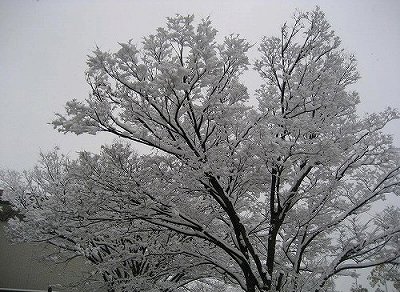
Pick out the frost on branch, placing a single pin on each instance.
(267, 198)
(177, 92)
(92, 207)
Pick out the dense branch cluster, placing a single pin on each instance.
(274, 197)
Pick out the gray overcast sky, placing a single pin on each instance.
(44, 44)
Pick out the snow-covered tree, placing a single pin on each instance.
(383, 274)
(270, 197)
(79, 206)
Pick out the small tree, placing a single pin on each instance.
(269, 198)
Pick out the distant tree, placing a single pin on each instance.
(382, 274)
(6, 210)
(358, 288)
(270, 197)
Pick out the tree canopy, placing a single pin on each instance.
(277, 196)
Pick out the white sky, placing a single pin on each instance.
(44, 45)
